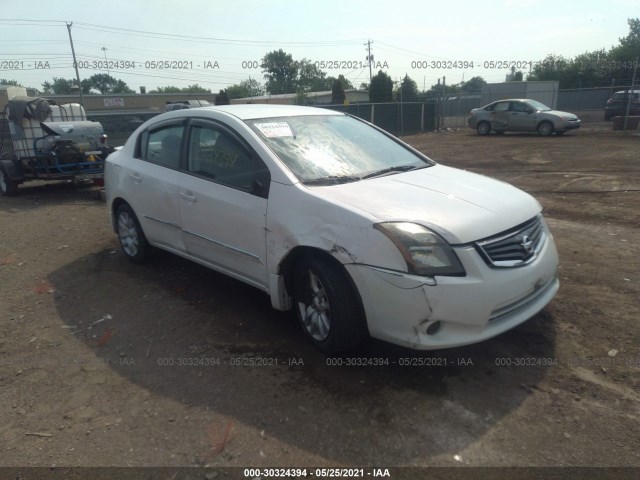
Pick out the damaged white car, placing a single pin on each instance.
(357, 232)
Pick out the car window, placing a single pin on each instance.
(162, 146)
(215, 154)
(501, 107)
(519, 107)
(319, 147)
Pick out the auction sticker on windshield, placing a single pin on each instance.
(275, 129)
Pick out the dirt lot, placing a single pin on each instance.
(104, 363)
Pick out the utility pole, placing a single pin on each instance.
(438, 106)
(106, 62)
(75, 63)
(633, 80)
(369, 59)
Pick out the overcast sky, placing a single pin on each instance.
(228, 38)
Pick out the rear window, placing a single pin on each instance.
(623, 96)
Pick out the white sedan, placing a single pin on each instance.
(356, 231)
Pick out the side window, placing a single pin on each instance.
(215, 154)
(162, 146)
(519, 107)
(501, 107)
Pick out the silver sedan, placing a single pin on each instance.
(521, 115)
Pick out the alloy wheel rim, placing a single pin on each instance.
(128, 234)
(316, 316)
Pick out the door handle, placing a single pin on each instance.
(188, 196)
(135, 177)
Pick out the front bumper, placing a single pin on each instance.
(400, 307)
(568, 125)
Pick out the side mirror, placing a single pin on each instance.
(258, 189)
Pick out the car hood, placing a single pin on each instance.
(459, 205)
(558, 113)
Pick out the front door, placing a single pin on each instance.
(223, 203)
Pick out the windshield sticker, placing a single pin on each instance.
(275, 129)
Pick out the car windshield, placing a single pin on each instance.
(329, 149)
(537, 105)
(624, 96)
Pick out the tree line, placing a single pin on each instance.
(283, 74)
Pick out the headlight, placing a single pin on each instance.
(425, 252)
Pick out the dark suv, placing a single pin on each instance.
(617, 104)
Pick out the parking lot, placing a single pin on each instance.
(106, 363)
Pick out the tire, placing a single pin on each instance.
(327, 305)
(8, 186)
(132, 240)
(484, 128)
(545, 128)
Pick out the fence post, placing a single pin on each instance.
(422, 119)
(373, 108)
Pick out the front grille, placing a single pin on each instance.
(515, 247)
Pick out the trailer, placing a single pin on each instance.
(44, 141)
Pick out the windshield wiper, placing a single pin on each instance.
(401, 168)
(332, 180)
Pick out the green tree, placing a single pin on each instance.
(104, 83)
(381, 88)
(173, 89)
(222, 98)
(338, 96)
(624, 55)
(408, 91)
(280, 72)
(310, 77)
(60, 86)
(168, 89)
(246, 88)
(195, 88)
(346, 84)
(474, 84)
(14, 83)
(553, 67)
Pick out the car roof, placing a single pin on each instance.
(254, 110)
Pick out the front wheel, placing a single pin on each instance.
(484, 128)
(545, 129)
(132, 240)
(8, 186)
(327, 305)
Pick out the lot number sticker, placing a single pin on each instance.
(275, 129)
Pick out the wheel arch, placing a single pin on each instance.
(115, 205)
(288, 263)
(287, 266)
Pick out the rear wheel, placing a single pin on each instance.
(132, 240)
(484, 128)
(327, 305)
(8, 186)
(545, 128)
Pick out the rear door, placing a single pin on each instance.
(223, 202)
(151, 181)
(500, 116)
